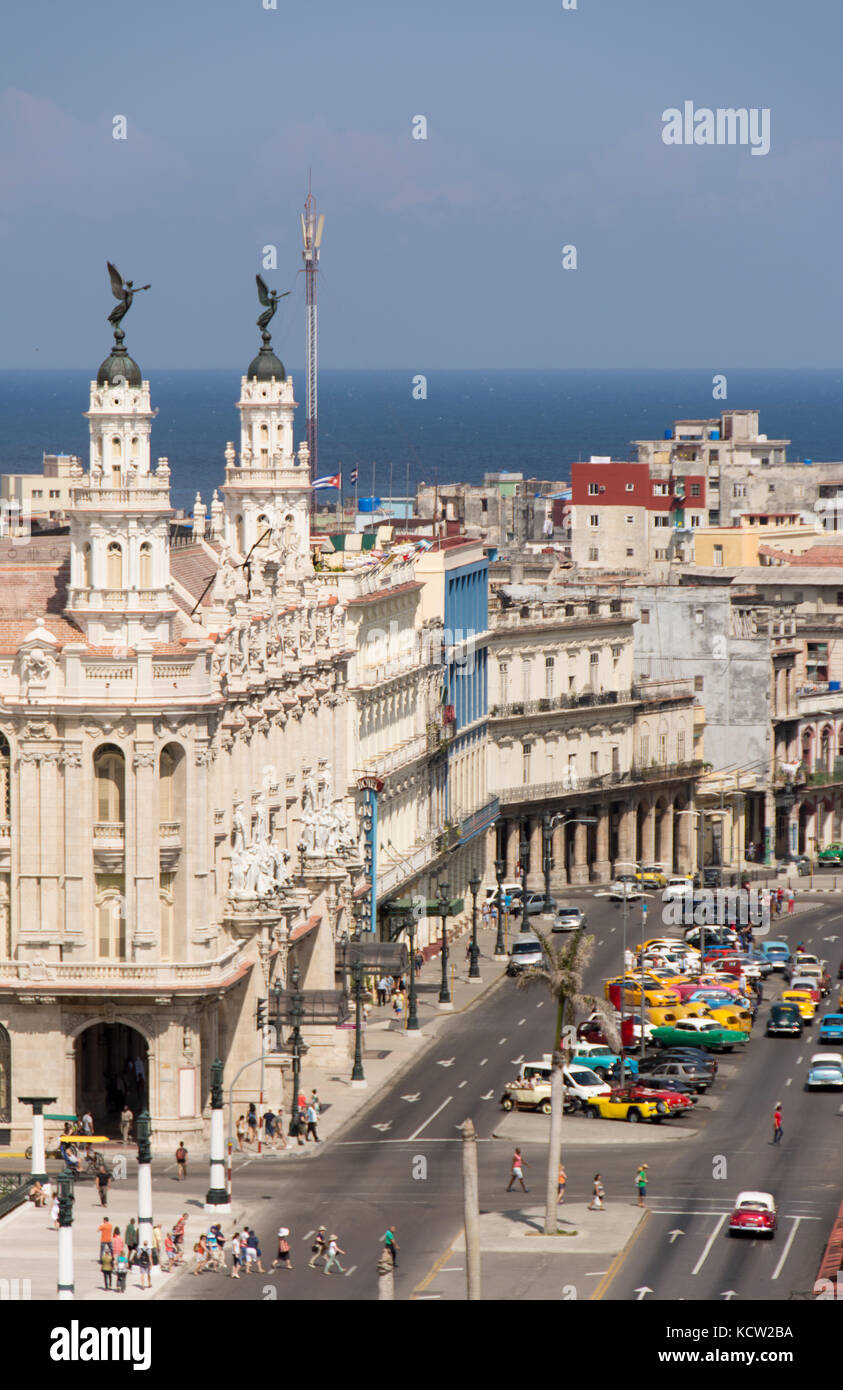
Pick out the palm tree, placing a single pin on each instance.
(561, 972)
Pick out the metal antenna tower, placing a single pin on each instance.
(311, 231)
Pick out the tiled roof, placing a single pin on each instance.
(816, 555)
(27, 591)
(192, 568)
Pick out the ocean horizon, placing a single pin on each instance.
(531, 421)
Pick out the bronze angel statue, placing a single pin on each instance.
(124, 292)
(270, 298)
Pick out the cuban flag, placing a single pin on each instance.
(354, 473)
(335, 480)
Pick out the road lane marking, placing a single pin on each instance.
(423, 1297)
(521, 1021)
(796, 1220)
(412, 1099)
(595, 1273)
(712, 1238)
(483, 1063)
(452, 1269)
(309, 1234)
(619, 1259)
(418, 1291)
(798, 1060)
(384, 1126)
(540, 1004)
(462, 1083)
(501, 1042)
(448, 1063)
(347, 1272)
(789, 1080)
(488, 1096)
(431, 1117)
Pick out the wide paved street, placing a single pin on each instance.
(400, 1162)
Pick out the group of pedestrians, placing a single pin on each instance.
(303, 1127)
(598, 1192)
(120, 1252)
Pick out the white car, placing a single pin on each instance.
(754, 1214)
(825, 1071)
(676, 889)
(625, 886)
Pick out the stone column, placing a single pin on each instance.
(667, 838)
(49, 853)
(28, 845)
(511, 855)
(76, 822)
(648, 848)
(579, 868)
(142, 892)
(559, 875)
(536, 840)
(196, 843)
(602, 867)
(626, 837)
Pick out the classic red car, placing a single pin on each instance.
(674, 1100)
(754, 1214)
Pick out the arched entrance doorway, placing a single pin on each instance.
(111, 1069)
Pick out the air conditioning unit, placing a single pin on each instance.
(602, 487)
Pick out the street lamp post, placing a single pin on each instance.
(297, 1014)
(358, 1076)
(548, 860)
(474, 968)
(444, 905)
(144, 1132)
(523, 851)
(217, 1198)
(413, 1013)
(64, 1184)
(500, 945)
(38, 1170)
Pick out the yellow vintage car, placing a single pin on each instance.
(622, 1104)
(665, 1018)
(804, 1003)
(651, 876)
(656, 993)
(730, 1016)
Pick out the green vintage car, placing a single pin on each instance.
(699, 1032)
(831, 854)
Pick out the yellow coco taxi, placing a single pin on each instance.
(803, 1002)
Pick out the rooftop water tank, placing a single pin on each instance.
(668, 434)
(808, 463)
(714, 434)
(368, 504)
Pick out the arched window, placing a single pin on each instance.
(85, 574)
(134, 453)
(145, 566)
(110, 781)
(114, 566)
(116, 450)
(5, 1076)
(238, 535)
(262, 533)
(111, 917)
(167, 768)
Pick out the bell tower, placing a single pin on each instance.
(120, 591)
(267, 487)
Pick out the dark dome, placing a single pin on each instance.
(266, 366)
(119, 364)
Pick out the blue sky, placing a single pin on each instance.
(544, 130)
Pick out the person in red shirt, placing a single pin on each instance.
(778, 1132)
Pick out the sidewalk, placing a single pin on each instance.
(29, 1243)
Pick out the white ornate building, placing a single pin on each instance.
(174, 830)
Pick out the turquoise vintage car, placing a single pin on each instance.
(699, 1032)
